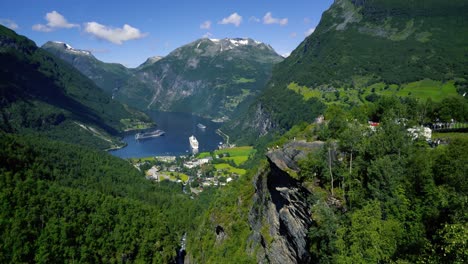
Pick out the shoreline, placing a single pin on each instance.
(116, 147)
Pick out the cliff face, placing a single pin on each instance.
(280, 216)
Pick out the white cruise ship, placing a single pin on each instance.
(193, 142)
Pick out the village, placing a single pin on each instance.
(197, 172)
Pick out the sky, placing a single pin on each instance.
(129, 32)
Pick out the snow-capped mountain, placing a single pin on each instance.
(109, 76)
(210, 77)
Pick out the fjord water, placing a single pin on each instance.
(178, 127)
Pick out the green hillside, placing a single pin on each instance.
(372, 196)
(40, 93)
(108, 76)
(364, 49)
(64, 203)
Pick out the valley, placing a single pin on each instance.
(351, 147)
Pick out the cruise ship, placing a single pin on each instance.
(193, 142)
(150, 134)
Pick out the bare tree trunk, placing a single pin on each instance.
(349, 176)
(329, 166)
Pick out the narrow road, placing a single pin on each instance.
(222, 134)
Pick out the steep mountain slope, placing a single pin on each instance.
(40, 93)
(358, 44)
(210, 77)
(109, 76)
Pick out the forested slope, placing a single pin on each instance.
(361, 50)
(42, 94)
(61, 203)
(371, 196)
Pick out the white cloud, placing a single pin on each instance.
(309, 31)
(306, 20)
(269, 19)
(205, 25)
(114, 35)
(293, 35)
(254, 19)
(54, 21)
(207, 35)
(9, 23)
(285, 55)
(234, 19)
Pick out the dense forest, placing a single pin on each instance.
(376, 196)
(401, 198)
(61, 202)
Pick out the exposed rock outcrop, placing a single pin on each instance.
(280, 217)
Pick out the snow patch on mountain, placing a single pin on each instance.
(71, 49)
(238, 42)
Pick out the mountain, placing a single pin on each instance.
(339, 190)
(209, 77)
(150, 61)
(109, 76)
(42, 94)
(362, 49)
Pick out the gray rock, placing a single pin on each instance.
(280, 207)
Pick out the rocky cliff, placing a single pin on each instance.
(280, 216)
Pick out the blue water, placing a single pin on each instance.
(178, 127)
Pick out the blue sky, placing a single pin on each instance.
(129, 32)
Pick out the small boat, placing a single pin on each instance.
(150, 134)
(201, 126)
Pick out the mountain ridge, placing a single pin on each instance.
(342, 60)
(108, 76)
(42, 94)
(207, 77)
(227, 72)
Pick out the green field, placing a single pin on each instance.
(306, 92)
(238, 154)
(236, 151)
(175, 175)
(136, 160)
(424, 89)
(450, 135)
(202, 155)
(237, 160)
(229, 168)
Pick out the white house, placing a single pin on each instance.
(421, 131)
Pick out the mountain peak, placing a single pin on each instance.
(150, 61)
(65, 47)
(226, 44)
(237, 41)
